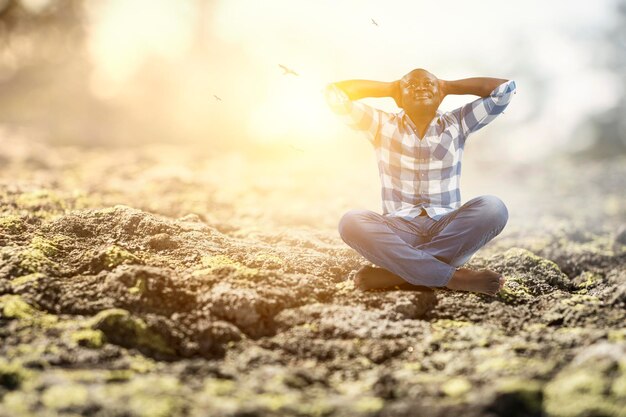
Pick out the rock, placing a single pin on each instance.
(121, 328)
(527, 275)
(593, 384)
(213, 336)
(252, 310)
(346, 322)
(517, 398)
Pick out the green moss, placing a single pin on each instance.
(157, 406)
(11, 223)
(514, 291)
(317, 407)
(501, 363)
(578, 392)
(456, 387)
(90, 338)
(141, 364)
(516, 253)
(618, 388)
(14, 307)
(115, 255)
(33, 259)
(64, 396)
(367, 404)
(581, 300)
(595, 385)
(219, 387)
(450, 324)
(147, 396)
(535, 327)
(274, 401)
(311, 327)
(210, 263)
(527, 275)
(587, 280)
(43, 201)
(617, 335)
(139, 287)
(49, 247)
(412, 366)
(19, 403)
(120, 327)
(27, 279)
(119, 375)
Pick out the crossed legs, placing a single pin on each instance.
(427, 255)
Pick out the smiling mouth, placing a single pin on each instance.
(422, 96)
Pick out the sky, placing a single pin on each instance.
(549, 47)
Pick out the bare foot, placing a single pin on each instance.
(372, 278)
(484, 281)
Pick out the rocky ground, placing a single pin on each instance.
(156, 282)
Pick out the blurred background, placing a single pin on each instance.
(191, 91)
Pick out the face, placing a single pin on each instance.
(419, 90)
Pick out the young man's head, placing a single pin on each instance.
(418, 91)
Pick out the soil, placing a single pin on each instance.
(137, 282)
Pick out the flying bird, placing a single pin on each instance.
(374, 22)
(287, 71)
(297, 149)
(217, 98)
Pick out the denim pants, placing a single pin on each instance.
(424, 251)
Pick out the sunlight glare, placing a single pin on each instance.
(126, 32)
(295, 112)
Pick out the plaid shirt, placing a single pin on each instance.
(420, 174)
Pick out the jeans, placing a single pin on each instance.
(424, 251)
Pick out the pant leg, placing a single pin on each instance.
(369, 234)
(459, 235)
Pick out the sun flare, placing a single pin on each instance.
(294, 112)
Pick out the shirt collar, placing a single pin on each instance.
(407, 119)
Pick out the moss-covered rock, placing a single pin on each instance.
(456, 387)
(121, 328)
(29, 280)
(585, 386)
(212, 263)
(65, 397)
(527, 275)
(14, 307)
(88, 338)
(11, 223)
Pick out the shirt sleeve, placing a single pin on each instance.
(480, 112)
(359, 116)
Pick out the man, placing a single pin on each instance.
(424, 234)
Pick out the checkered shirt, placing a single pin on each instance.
(420, 174)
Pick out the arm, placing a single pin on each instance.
(478, 86)
(357, 89)
(482, 111)
(341, 97)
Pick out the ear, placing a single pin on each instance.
(397, 93)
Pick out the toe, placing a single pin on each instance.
(502, 282)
